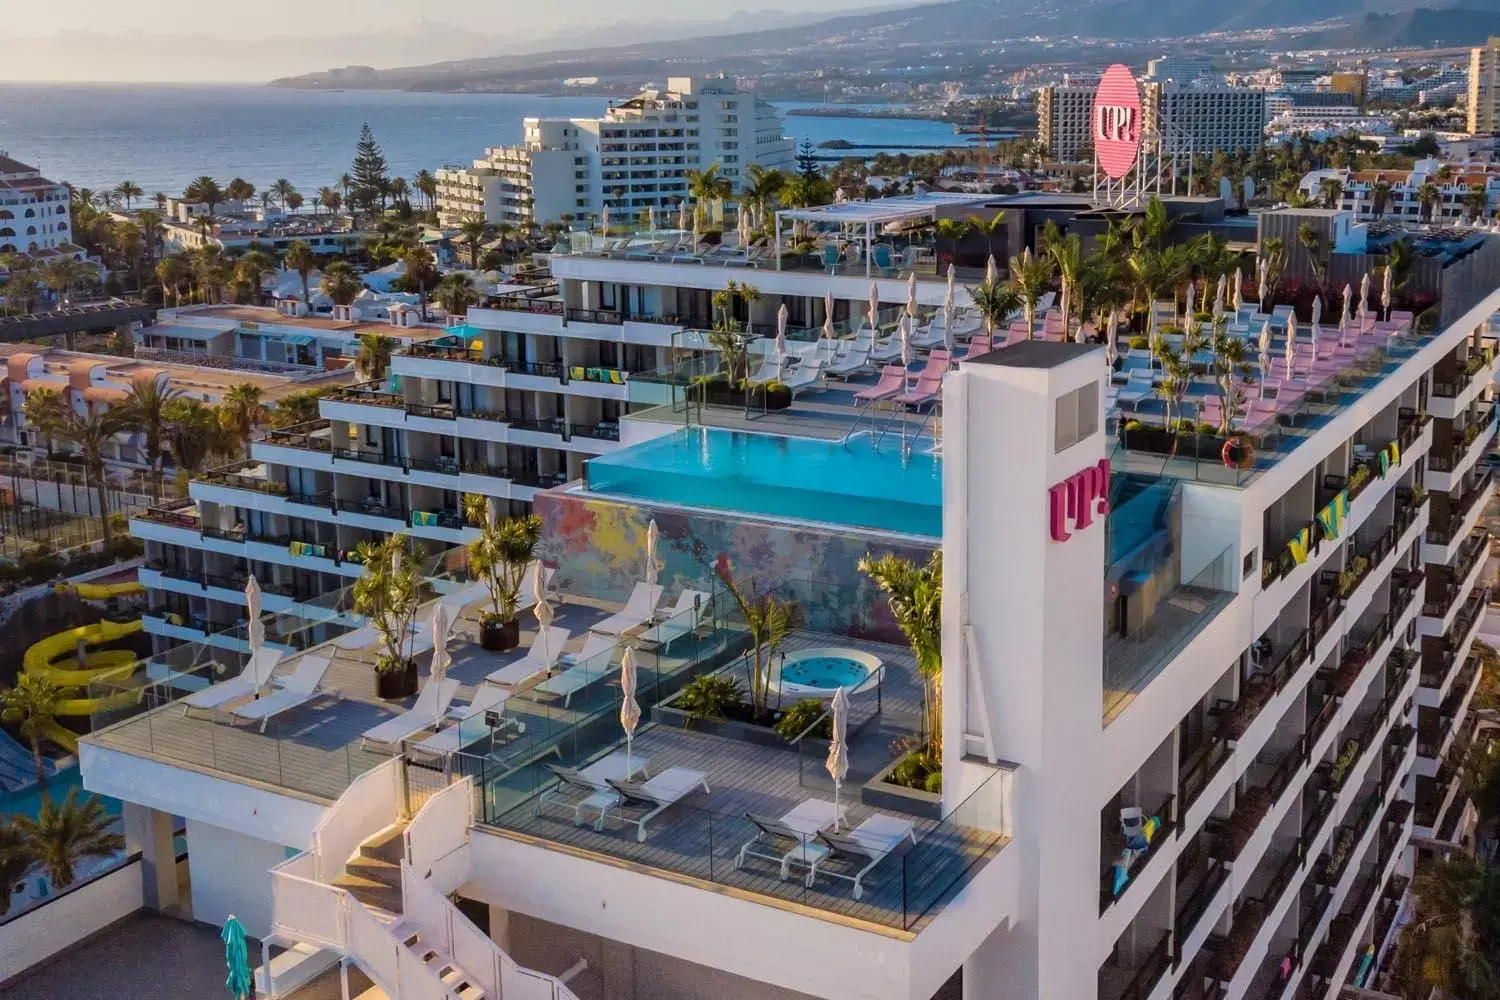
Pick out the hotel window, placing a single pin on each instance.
(1077, 417)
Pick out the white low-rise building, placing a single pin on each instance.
(35, 213)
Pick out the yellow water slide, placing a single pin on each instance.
(102, 591)
(104, 665)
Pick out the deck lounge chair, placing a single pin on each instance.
(593, 645)
(856, 360)
(298, 689)
(926, 390)
(451, 739)
(539, 659)
(566, 683)
(639, 609)
(774, 841)
(871, 842)
(888, 349)
(654, 795)
(938, 363)
(425, 713)
(1139, 386)
(881, 257)
(978, 347)
(892, 382)
(806, 375)
(255, 675)
(769, 370)
(831, 257)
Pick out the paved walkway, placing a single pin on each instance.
(143, 957)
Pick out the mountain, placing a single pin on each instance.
(954, 33)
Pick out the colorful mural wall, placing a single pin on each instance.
(596, 545)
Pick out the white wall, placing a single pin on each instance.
(229, 873)
(70, 917)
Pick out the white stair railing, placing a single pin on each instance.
(371, 803)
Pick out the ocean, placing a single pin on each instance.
(162, 136)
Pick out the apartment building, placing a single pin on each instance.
(1212, 116)
(1456, 180)
(1183, 69)
(1203, 782)
(35, 213)
(1064, 114)
(1484, 88)
(634, 158)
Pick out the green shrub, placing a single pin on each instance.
(802, 715)
(1138, 343)
(710, 696)
(934, 783)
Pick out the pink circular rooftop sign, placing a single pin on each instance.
(1117, 121)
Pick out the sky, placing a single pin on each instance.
(215, 40)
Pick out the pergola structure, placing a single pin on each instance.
(879, 213)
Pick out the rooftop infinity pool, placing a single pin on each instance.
(852, 484)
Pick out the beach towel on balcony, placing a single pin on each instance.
(1298, 547)
(1385, 462)
(424, 519)
(1332, 516)
(1395, 449)
(576, 373)
(616, 377)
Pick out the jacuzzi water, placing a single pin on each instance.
(828, 672)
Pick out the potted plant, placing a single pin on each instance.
(769, 621)
(499, 557)
(387, 596)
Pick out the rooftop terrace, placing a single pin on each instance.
(570, 716)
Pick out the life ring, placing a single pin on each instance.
(1238, 453)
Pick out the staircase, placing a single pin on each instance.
(373, 876)
(358, 892)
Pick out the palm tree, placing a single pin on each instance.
(61, 835)
(1332, 191)
(241, 411)
(251, 269)
(426, 185)
(1312, 246)
(1429, 196)
(128, 192)
(421, 275)
(16, 859)
(1030, 276)
(1380, 197)
(90, 432)
(915, 596)
(282, 189)
(299, 257)
(768, 621)
(62, 273)
(995, 302)
(455, 294)
(31, 706)
(399, 190)
(210, 270)
(205, 190)
(40, 408)
(340, 283)
(1176, 377)
(1229, 372)
(294, 201)
(758, 193)
(147, 403)
(1476, 201)
(171, 273)
(345, 182)
(988, 228)
(1437, 954)
(239, 190)
(1066, 253)
(374, 356)
(474, 229)
(330, 199)
(194, 433)
(703, 187)
(296, 408)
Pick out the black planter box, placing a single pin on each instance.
(393, 685)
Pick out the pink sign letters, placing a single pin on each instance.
(1073, 501)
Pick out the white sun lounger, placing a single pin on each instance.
(569, 682)
(872, 841)
(592, 647)
(638, 610)
(654, 795)
(539, 659)
(856, 361)
(425, 713)
(679, 620)
(488, 698)
(804, 376)
(255, 675)
(297, 689)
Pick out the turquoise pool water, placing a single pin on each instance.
(829, 672)
(29, 800)
(853, 484)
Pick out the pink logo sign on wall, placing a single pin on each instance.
(1076, 500)
(1117, 121)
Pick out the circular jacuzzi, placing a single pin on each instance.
(818, 673)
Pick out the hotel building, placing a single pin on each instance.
(1202, 782)
(1403, 201)
(1063, 114)
(1484, 88)
(35, 213)
(1214, 116)
(635, 157)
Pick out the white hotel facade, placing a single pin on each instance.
(1283, 716)
(633, 158)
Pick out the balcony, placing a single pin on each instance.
(1447, 467)
(1121, 863)
(1444, 530)
(1124, 978)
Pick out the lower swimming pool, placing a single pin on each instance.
(855, 484)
